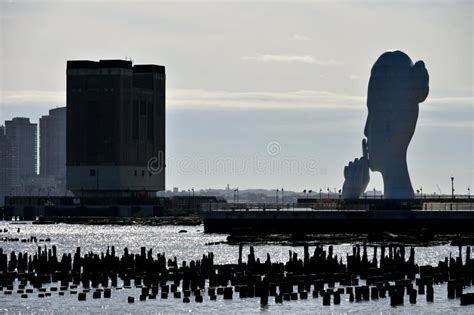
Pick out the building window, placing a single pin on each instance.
(92, 172)
(143, 173)
(135, 172)
(149, 173)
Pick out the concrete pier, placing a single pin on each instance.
(337, 221)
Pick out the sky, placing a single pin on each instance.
(259, 94)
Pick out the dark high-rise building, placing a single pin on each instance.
(115, 127)
(8, 178)
(52, 146)
(23, 137)
(18, 157)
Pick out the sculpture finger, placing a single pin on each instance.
(350, 169)
(356, 167)
(364, 148)
(359, 172)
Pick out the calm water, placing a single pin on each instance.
(192, 245)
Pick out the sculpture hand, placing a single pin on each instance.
(356, 175)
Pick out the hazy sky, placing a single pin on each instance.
(259, 94)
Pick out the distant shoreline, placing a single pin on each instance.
(154, 221)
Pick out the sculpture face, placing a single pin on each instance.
(396, 87)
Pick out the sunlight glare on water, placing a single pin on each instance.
(188, 245)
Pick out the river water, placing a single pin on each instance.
(188, 245)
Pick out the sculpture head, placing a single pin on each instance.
(396, 87)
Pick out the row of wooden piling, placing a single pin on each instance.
(393, 274)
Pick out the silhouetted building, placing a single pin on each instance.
(52, 147)
(23, 137)
(9, 179)
(53, 143)
(115, 127)
(18, 157)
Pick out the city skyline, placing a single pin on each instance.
(236, 90)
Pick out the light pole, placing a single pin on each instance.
(468, 192)
(452, 187)
(328, 192)
(374, 192)
(277, 197)
(320, 193)
(282, 196)
(421, 191)
(189, 199)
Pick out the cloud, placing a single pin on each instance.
(300, 37)
(291, 100)
(447, 124)
(354, 77)
(294, 100)
(290, 58)
(445, 101)
(198, 99)
(32, 96)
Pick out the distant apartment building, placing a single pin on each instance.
(18, 157)
(9, 179)
(52, 153)
(115, 128)
(52, 129)
(23, 137)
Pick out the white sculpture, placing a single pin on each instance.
(396, 87)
